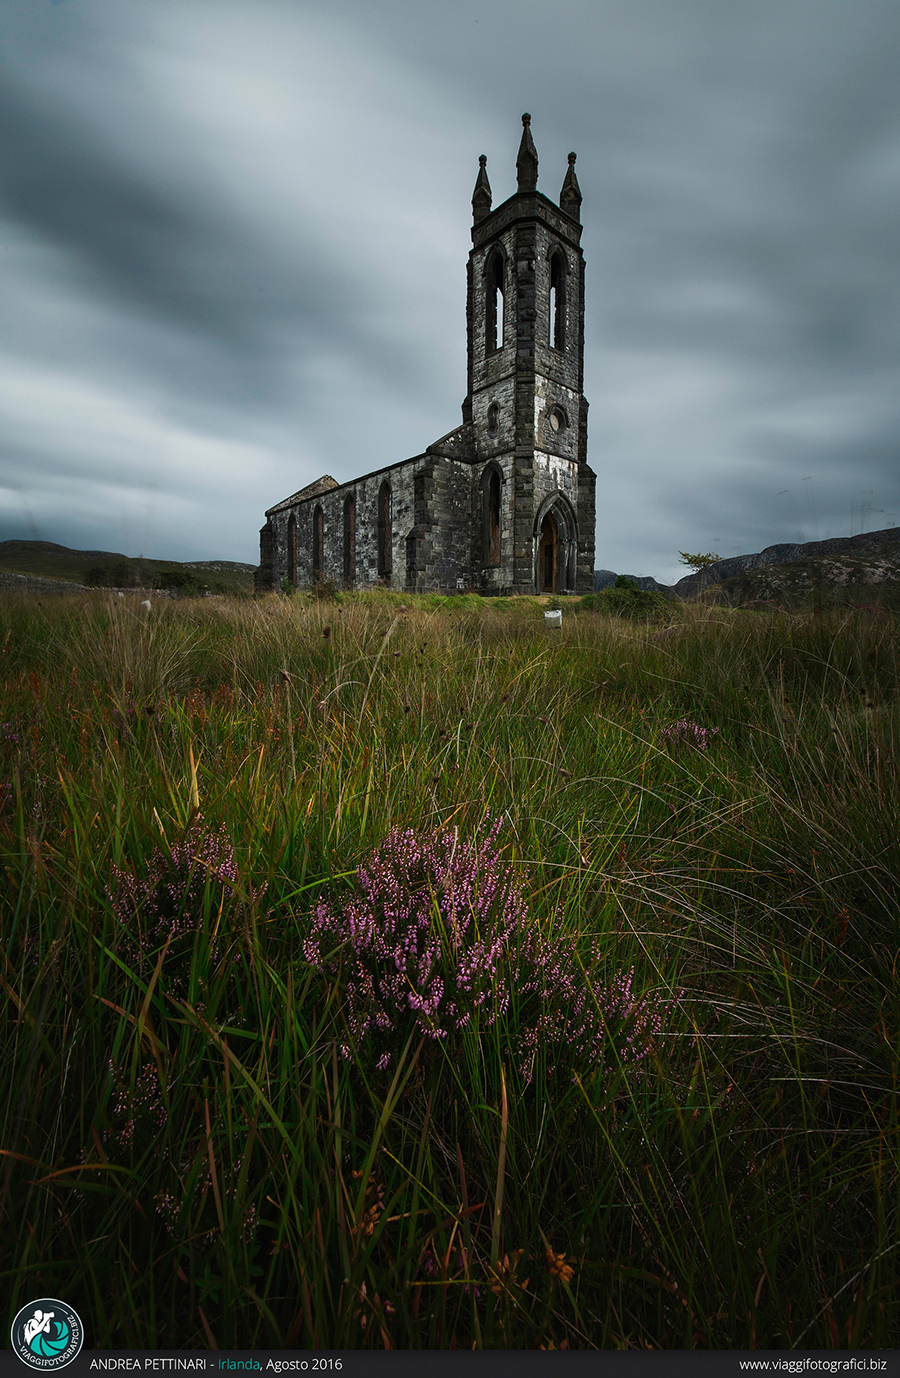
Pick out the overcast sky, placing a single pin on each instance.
(233, 237)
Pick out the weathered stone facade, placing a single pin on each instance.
(504, 503)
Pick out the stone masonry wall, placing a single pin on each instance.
(436, 528)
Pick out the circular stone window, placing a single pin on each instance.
(558, 419)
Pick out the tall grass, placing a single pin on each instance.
(187, 1157)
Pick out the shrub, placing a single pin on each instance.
(169, 901)
(181, 581)
(438, 933)
(686, 733)
(119, 575)
(625, 599)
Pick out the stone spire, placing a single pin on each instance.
(527, 161)
(481, 196)
(570, 196)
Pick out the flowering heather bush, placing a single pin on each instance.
(686, 733)
(138, 1108)
(575, 1018)
(137, 1118)
(168, 901)
(439, 931)
(425, 936)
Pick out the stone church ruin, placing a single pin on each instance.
(505, 503)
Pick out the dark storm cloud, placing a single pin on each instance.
(149, 247)
(157, 235)
(130, 238)
(234, 239)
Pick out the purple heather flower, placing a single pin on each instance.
(168, 901)
(688, 733)
(438, 930)
(141, 1104)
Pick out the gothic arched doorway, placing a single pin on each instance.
(555, 545)
(548, 555)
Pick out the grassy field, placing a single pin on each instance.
(600, 1050)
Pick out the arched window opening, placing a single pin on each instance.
(292, 549)
(318, 544)
(494, 304)
(414, 557)
(349, 540)
(556, 332)
(493, 418)
(384, 531)
(493, 518)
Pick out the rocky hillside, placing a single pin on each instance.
(786, 572)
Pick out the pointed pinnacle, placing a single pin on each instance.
(570, 196)
(527, 161)
(481, 196)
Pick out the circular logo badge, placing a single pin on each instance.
(47, 1334)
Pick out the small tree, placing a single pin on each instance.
(119, 575)
(181, 581)
(699, 562)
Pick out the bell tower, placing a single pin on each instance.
(525, 402)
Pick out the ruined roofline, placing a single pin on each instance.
(430, 453)
(312, 490)
(299, 498)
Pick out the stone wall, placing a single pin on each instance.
(32, 583)
(437, 528)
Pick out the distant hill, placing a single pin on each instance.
(606, 578)
(781, 573)
(45, 560)
(786, 573)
